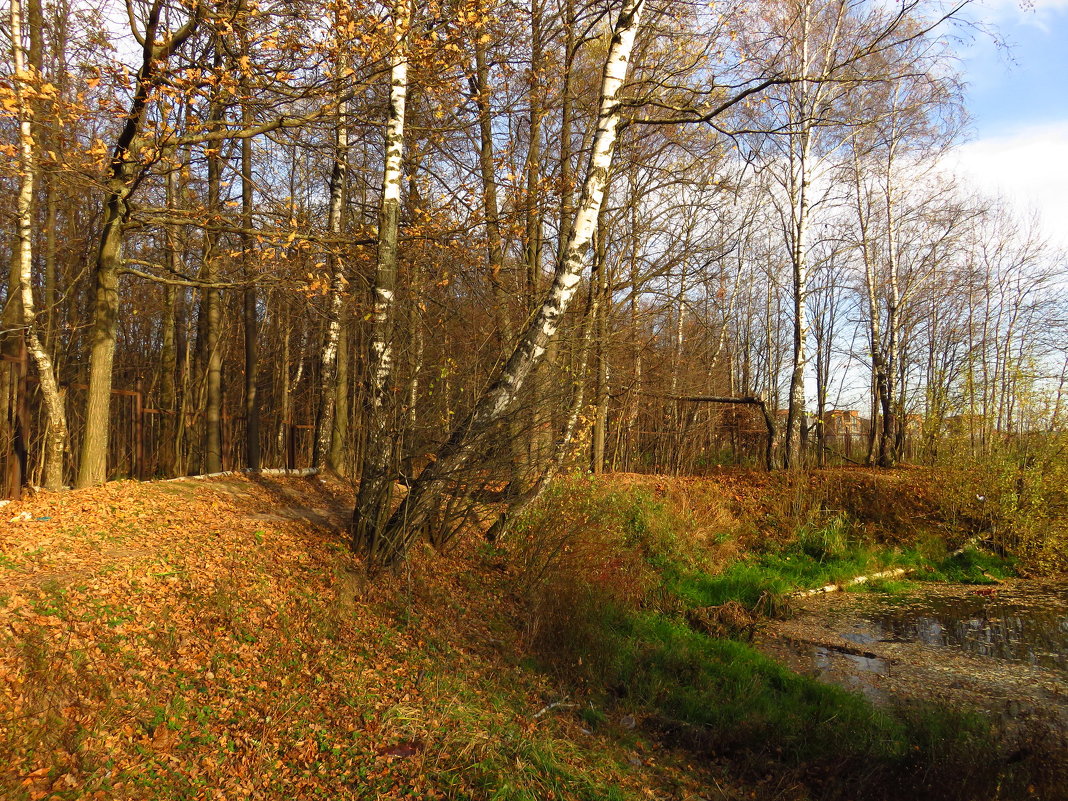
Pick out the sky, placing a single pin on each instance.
(1017, 96)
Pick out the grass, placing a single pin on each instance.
(828, 556)
(637, 653)
(886, 586)
(763, 581)
(970, 566)
(724, 695)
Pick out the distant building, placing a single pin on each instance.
(842, 422)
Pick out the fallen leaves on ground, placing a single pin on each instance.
(216, 639)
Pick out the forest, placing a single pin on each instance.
(488, 399)
(464, 243)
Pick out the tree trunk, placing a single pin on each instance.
(540, 414)
(213, 379)
(488, 172)
(600, 310)
(532, 244)
(888, 449)
(56, 441)
(328, 360)
(338, 457)
(284, 411)
(92, 462)
(428, 489)
(792, 453)
(168, 367)
(379, 451)
(251, 323)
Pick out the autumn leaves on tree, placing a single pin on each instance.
(351, 235)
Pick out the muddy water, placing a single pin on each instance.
(1026, 623)
(1002, 649)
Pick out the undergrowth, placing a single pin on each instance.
(1013, 499)
(626, 636)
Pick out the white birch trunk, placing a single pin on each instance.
(57, 422)
(324, 431)
(815, 68)
(800, 205)
(871, 292)
(425, 492)
(373, 500)
(889, 455)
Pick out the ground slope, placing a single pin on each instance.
(216, 639)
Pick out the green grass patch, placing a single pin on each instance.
(819, 555)
(735, 694)
(528, 769)
(763, 580)
(886, 586)
(726, 696)
(970, 566)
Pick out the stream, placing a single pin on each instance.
(1001, 650)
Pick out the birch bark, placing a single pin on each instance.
(53, 400)
(379, 451)
(328, 361)
(816, 57)
(432, 484)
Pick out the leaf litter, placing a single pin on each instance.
(217, 640)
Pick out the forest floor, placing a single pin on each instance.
(217, 639)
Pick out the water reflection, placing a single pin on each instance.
(1031, 630)
(824, 660)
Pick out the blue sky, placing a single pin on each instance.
(1017, 95)
(1026, 81)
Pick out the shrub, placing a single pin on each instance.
(1014, 500)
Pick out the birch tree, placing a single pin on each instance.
(25, 83)
(379, 451)
(391, 543)
(329, 357)
(812, 56)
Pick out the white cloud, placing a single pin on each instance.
(1028, 167)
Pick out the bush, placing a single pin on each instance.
(1014, 501)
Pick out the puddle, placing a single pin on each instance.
(852, 671)
(1030, 629)
(1003, 653)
